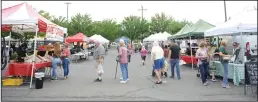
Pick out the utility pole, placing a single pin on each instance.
(225, 10)
(142, 9)
(67, 4)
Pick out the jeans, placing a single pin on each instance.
(225, 77)
(66, 66)
(55, 62)
(204, 71)
(175, 63)
(124, 70)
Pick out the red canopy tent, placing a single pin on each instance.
(24, 18)
(79, 37)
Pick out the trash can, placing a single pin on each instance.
(39, 80)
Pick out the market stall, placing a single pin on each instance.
(193, 32)
(99, 38)
(244, 24)
(23, 18)
(76, 52)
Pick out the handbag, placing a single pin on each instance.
(118, 58)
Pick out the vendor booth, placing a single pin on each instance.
(78, 52)
(99, 38)
(195, 31)
(243, 26)
(23, 18)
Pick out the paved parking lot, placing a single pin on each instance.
(80, 86)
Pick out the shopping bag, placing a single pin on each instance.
(100, 69)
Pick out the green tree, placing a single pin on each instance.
(80, 23)
(135, 28)
(131, 27)
(160, 23)
(107, 28)
(61, 21)
(45, 14)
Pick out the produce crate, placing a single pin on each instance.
(12, 82)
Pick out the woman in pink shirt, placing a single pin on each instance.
(64, 55)
(143, 54)
(123, 54)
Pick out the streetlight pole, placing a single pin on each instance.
(67, 4)
(142, 9)
(225, 10)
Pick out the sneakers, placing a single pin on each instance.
(97, 80)
(213, 80)
(205, 83)
(54, 79)
(226, 86)
(158, 82)
(122, 82)
(122, 79)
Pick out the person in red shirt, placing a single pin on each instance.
(65, 54)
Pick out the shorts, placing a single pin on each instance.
(158, 64)
(143, 58)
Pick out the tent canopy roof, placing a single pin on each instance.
(99, 38)
(243, 22)
(79, 37)
(180, 31)
(24, 18)
(197, 29)
(126, 39)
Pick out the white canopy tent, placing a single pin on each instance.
(23, 18)
(244, 22)
(148, 38)
(99, 38)
(158, 37)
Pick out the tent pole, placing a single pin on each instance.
(242, 47)
(9, 42)
(34, 56)
(191, 52)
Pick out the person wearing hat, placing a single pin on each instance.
(236, 52)
(65, 61)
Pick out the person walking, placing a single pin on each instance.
(129, 47)
(173, 56)
(98, 55)
(143, 54)
(123, 54)
(157, 56)
(203, 56)
(65, 61)
(224, 61)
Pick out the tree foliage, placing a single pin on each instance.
(134, 27)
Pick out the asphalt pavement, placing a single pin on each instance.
(80, 86)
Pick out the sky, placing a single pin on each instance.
(210, 11)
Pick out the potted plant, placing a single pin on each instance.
(13, 57)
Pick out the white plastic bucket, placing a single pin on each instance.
(39, 75)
